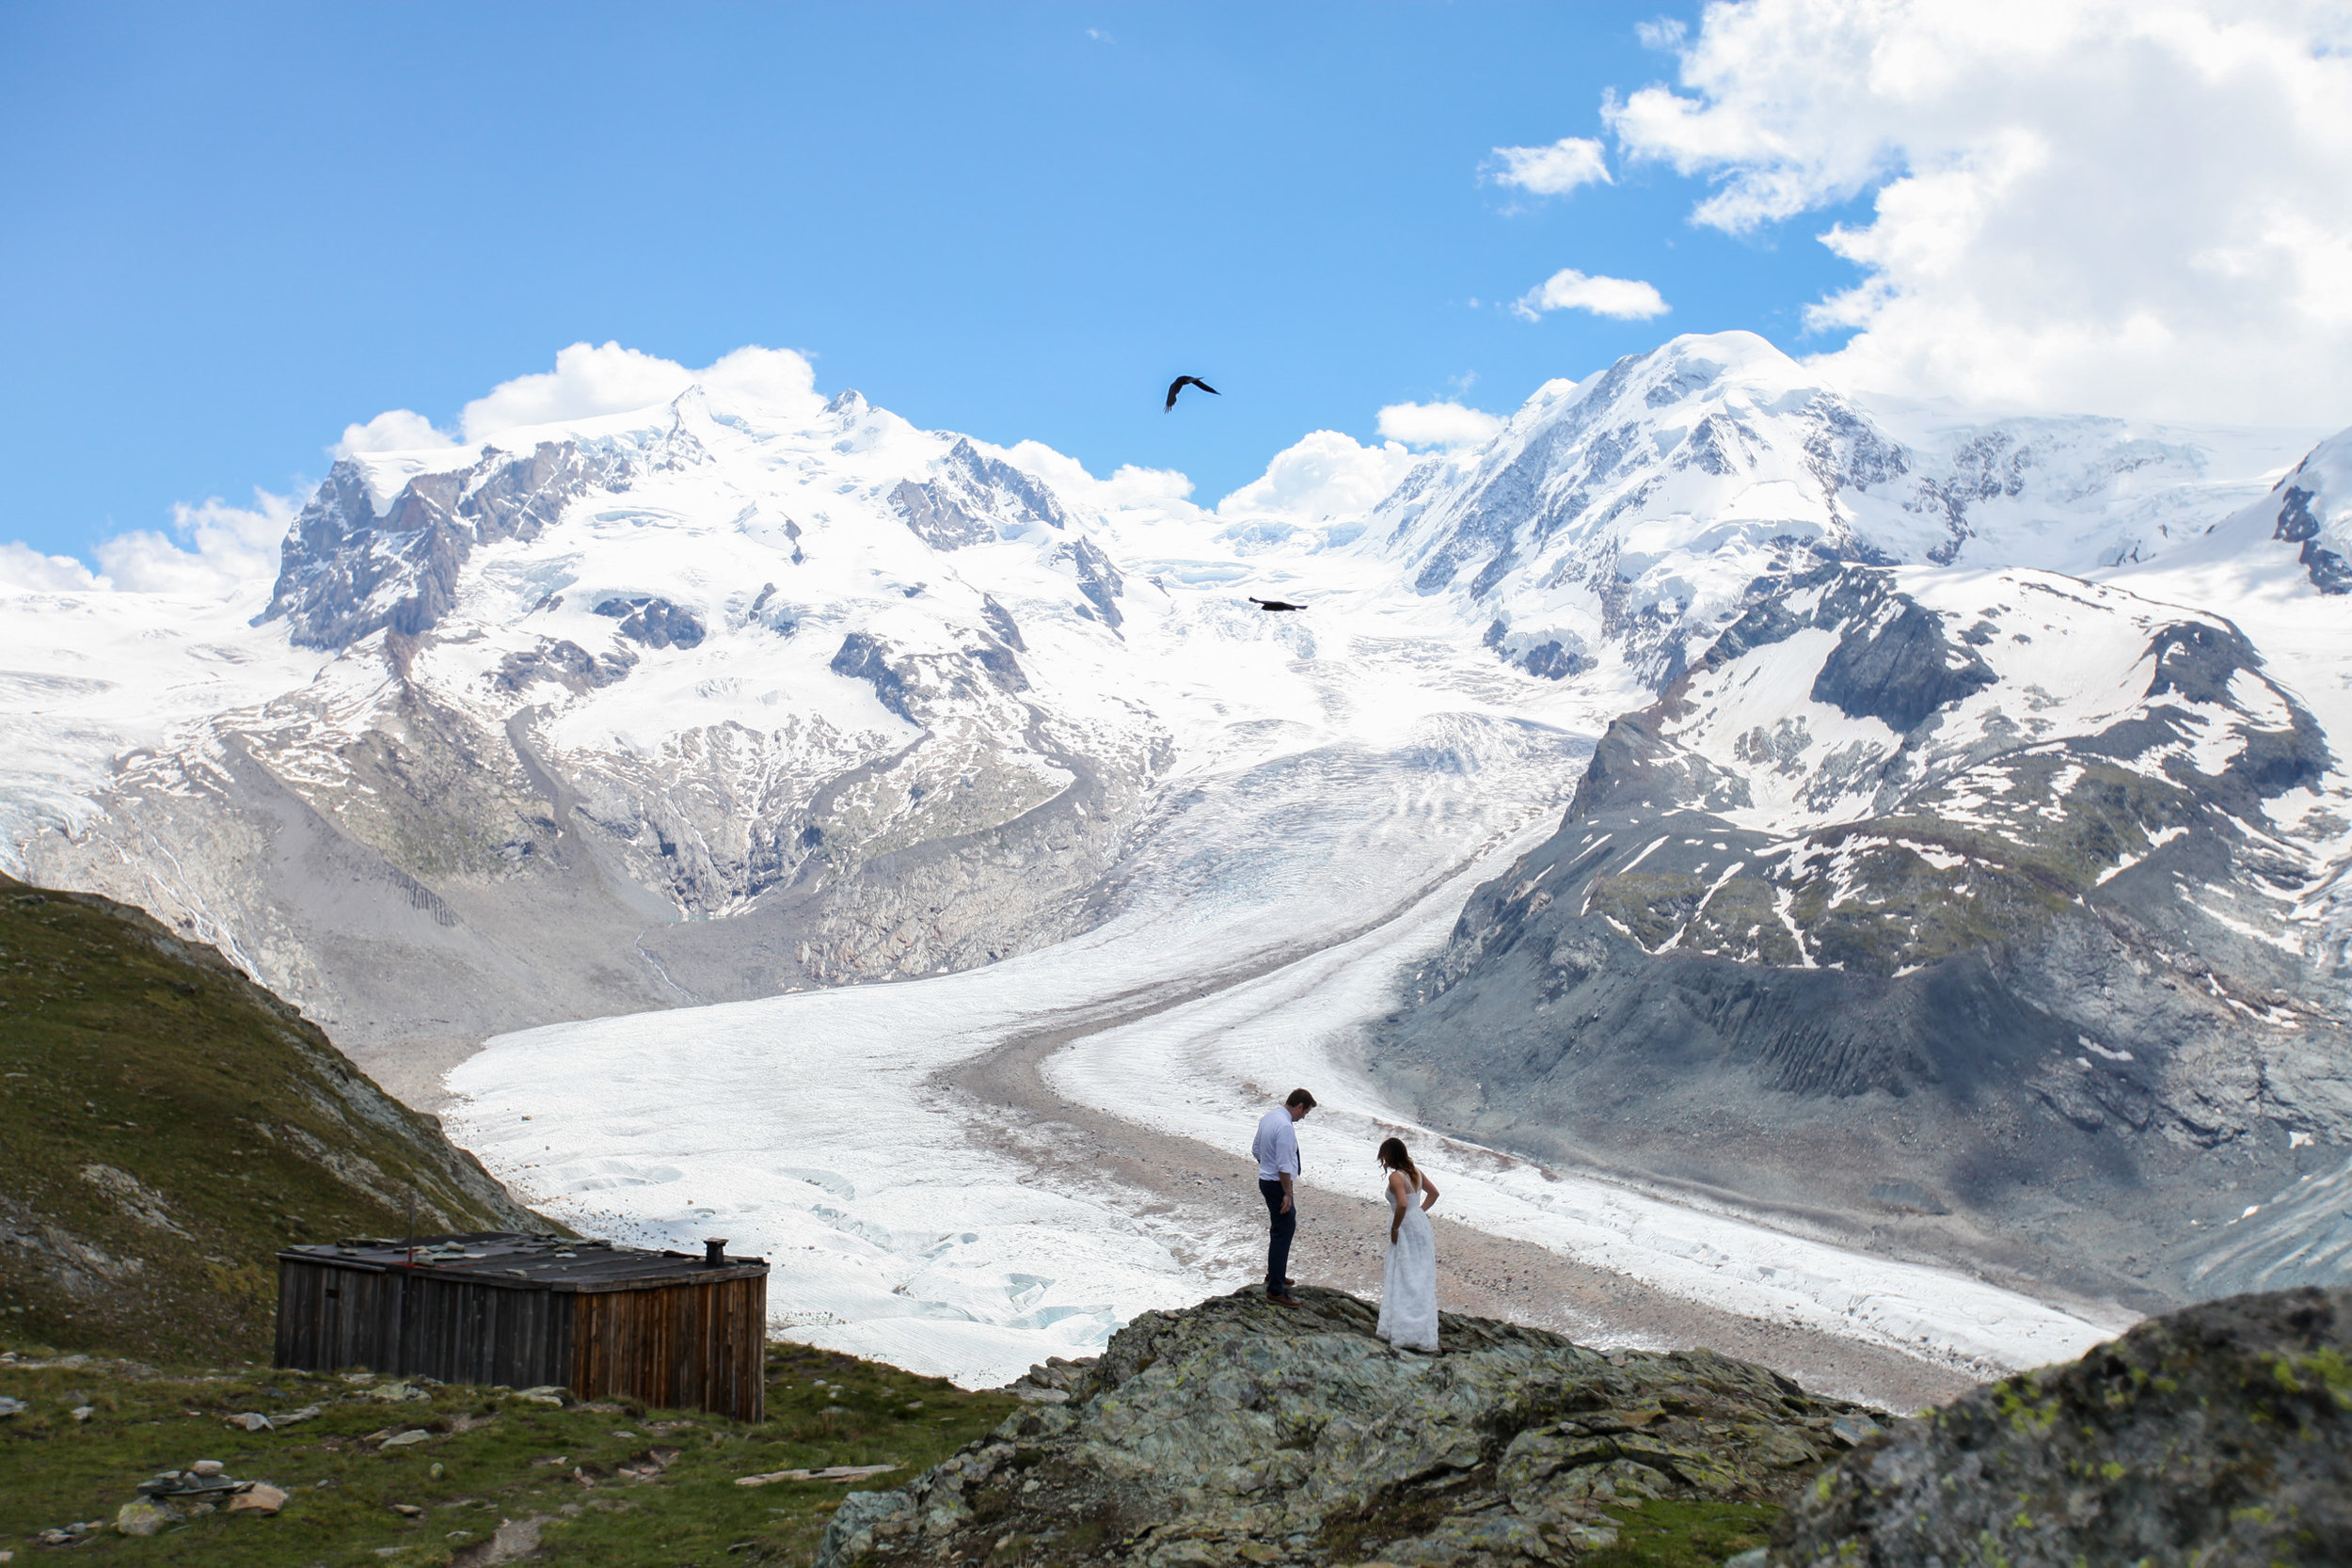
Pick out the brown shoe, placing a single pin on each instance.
(1284, 1300)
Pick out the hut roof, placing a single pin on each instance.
(543, 1262)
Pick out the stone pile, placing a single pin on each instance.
(173, 1496)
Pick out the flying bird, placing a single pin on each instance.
(1184, 381)
(1272, 605)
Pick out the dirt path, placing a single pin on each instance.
(1203, 1202)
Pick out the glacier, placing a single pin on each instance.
(751, 775)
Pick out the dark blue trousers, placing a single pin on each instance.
(1280, 1228)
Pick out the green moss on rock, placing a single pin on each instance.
(2218, 1434)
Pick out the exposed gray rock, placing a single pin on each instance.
(655, 623)
(1240, 1431)
(567, 664)
(1097, 578)
(145, 1518)
(345, 572)
(975, 498)
(2027, 993)
(2219, 1434)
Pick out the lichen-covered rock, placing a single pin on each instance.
(2219, 1434)
(1240, 1431)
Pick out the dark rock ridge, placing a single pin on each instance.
(2020, 992)
(908, 682)
(655, 623)
(565, 663)
(345, 572)
(1239, 1432)
(2219, 1434)
(1097, 578)
(973, 500)
(2330, 572)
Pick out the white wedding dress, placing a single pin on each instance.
(1408, 1284)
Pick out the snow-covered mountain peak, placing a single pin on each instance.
(385, 540)
(1636, 511)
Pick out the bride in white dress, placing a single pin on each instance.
(1408, 1284)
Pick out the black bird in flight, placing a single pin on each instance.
(1184, 381)
(1272, 605)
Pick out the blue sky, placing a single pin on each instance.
(226, 232)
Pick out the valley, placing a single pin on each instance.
(1849, 882)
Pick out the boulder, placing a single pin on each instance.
(2219, 1433)
(144, 1517)
(261, 1498)
(1240, 1431)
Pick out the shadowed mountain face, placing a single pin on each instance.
(1993, 914)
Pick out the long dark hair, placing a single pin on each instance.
(1393, 1156)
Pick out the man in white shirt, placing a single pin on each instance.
(1276, 1150)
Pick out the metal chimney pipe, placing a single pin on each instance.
(714, 1252)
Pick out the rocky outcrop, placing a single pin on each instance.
(2219, 1434)
(345, 571)
(656, 623)
(973, 500)
(2312, 508)
(1239, 1432)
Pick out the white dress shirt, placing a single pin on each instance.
(1276, 1145)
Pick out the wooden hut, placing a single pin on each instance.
(669, 1328)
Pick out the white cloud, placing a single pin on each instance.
(213, 551)
(1619, 298)
(1128, 486)
(25, 570)
(1554, 171)
(1323, 476)
(774, 377)
(589, 380)
(394, 430)
(2130, 206)
(1437, 424)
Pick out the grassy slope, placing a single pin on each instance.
(167, 1125)
(493, 1451)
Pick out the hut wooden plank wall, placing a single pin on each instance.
(673, 1330)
